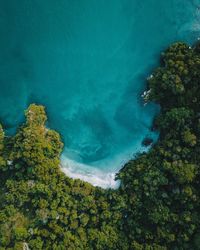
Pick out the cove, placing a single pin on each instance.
(87, 61)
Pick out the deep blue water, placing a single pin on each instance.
(87, 61)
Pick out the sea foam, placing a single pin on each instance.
(89, 174)
(102, 173)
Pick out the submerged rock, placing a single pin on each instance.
(147, 142)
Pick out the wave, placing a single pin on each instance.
(89, 173)
(102, 173)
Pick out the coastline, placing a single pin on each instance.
(89, 174)
(102, 173)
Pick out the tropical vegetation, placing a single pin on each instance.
(156, 207)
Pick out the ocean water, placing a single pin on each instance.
(87, 61)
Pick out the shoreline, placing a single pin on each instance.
(102, 173)
(88, 173)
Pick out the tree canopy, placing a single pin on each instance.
(157, 205)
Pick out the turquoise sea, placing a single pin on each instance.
(87, 61)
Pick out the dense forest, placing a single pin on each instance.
(157, 205)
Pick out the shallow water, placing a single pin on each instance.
(87, 61)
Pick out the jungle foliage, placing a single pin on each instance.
(157, 205)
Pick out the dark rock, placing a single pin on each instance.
(147, 141)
